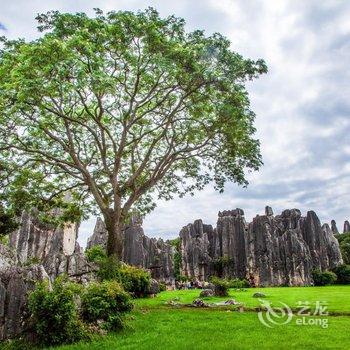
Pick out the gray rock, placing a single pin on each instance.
(346, 227)
(271, 250)
(15, 285)
(268, 211)
(99, 236)
(334, 227)
(153, 287)
(206, 293)
(140, 250)
(259, 295)
(7, 257)
(199, 303)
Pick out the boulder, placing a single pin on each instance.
(206, 293)
(259, 295)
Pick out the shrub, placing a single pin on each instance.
(162, 286)
(95, 254)
(323, 278)
(343, 274)
(108, 268)
(238, 283)
(54, 313)
(135, 280)
(106, 301)
(221, 286)
(177, 258)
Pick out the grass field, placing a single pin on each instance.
(336, 297)
(156, 325)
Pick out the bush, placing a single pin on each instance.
(135, 280)
(162, 286)
(95, 254)
(106, 301)
(238, 283)
(323, 278)
(221, 286)
(54, 313)
(343, 274)
(108, 268)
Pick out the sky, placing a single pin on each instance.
(302, 105)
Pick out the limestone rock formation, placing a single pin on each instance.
(7, 257)
(99, 236)
(334, 227)
(56, 248)
(15, 285)
(140, 250)
(198, 248)
(271, 250)
(346, 227)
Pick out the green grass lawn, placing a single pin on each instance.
(213, 329)
(156, 325)
(337, 297)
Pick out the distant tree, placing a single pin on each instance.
(344, 244)
(122, 109)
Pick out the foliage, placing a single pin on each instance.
(221, 286)
(323, 278)
(343, 274)
(344, 243)
(162, 287)
(108, 268)
(177, 258)
(221, 263)
(134, 280)
(54, 313)
(106, 301)
(95, 254)
(7, 222)
(238, 283)
(119, 110)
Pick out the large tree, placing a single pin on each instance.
(122, 109)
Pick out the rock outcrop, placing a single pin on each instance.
(56, 248)
(271, 250)
(334, 227)
(139, 250)
(346, 228)
(15, 285)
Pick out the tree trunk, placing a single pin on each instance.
(114, 226)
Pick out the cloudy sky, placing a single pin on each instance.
(302, 104)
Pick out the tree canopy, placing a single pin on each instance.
(120, 110)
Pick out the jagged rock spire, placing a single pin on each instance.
(334, 227)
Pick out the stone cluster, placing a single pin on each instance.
(56, 248)
(140, 250)
(271, 250)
